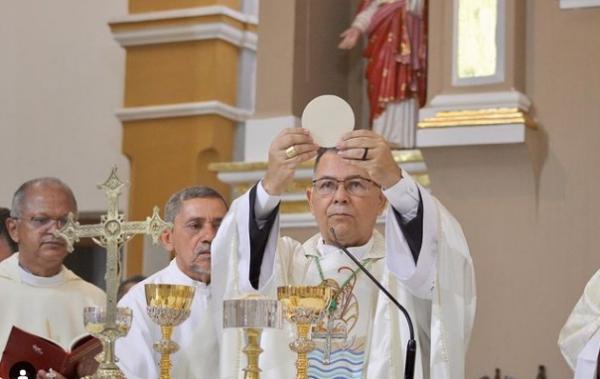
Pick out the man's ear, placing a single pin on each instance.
(382, 204)
(11, 226)
(166, 239)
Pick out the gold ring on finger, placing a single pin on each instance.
(291, 152)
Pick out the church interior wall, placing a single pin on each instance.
(61, 80)
(530, 211)
(274, 70)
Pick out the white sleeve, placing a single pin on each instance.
(587, 360)
(418, 278)
(264, 203)
(238, 220)
(135, 353)
(404, 197)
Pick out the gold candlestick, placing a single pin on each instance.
(168, 306)
(303, 305)
(252, 313)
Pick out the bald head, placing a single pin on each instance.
(20, 197)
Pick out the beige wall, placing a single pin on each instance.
(530, 211)
(298, 58)
(61, 79)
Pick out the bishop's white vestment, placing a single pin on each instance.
(439, 293)
(198, 355)
(50, 307)
(579, 339)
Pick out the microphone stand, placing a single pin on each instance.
(411, 346)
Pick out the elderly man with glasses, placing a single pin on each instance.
(423, 260)
(38, 294)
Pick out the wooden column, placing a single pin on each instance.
(180, 105)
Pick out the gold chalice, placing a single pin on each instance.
(252, 313)
(168, 306)
(303, 305)
(94, 320)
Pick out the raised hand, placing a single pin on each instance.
(349, 38)
(370, 151)
(291, 147)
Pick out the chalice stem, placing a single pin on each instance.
(109, 351)
(302, 366)
(252, 351)
(302, 361)
(165, 357)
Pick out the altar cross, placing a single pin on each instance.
(111, 233)
(328, 335)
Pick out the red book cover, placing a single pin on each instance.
(28, 353)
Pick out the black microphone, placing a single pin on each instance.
(411, 346)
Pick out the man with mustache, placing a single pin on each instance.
(37, 293)
(196, 214)
(423, 260)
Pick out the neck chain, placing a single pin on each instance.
(334, 300)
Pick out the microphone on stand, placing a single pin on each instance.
(411, 346)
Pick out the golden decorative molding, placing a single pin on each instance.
(400, 156)
(478, 117)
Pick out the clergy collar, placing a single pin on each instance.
(360, 252)
(182, 278)
(41, 281)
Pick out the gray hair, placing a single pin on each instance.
(173, 205)
(18, 200)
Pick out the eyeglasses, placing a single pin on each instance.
(355, 186)
(39, 222)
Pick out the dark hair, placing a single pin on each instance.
(173, 205)
(4, 215)
(322, 151)
(18, 200)
(131, 280)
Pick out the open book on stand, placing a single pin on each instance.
(26, 351)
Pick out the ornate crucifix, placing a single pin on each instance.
(328, 335)
(111, 233)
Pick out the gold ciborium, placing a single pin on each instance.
(94, 320)
(303, 305)
(168, 306)
(252, 313)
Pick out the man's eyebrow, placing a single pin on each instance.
(204, 219)
(346, 178)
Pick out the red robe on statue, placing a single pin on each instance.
(397, 55)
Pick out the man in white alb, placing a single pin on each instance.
(37, 293)
(196, 214)
(579, 339)
(423, 260)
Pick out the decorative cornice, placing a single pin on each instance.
(477, 117)
(215, 10)
(183, 110)
(474, 119)
(472, 135)
(572, 4)
(181, 33)
(479, 100)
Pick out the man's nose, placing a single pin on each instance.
(340, 195)
(209, 232)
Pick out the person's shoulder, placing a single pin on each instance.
(84, 286)
(8, 266)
